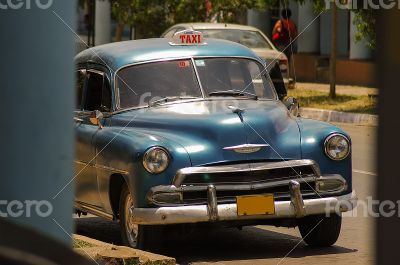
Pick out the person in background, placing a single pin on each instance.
(284, 32)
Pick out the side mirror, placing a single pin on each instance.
(293, 106)
(95, 118)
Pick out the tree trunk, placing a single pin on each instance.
(118, 31)
(332, 65)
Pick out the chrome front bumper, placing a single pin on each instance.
(295, 208)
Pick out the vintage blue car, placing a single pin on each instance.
(188, 131)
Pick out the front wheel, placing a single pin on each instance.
(129, 231)
(133, 235)
(319, 230)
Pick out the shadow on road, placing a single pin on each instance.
(215, 244)
(98, 228)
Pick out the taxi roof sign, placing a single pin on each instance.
(188, 37)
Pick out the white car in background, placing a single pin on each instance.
(248, 36)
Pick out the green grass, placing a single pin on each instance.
(81, 244)
(342, 102)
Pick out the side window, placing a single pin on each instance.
(79, 88)
(98, 92)
(170, 33)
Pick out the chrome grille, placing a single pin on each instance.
(229, 195)
(221, 178)
(246, 179)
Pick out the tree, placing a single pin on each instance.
(181, 11)
(148, 16)
(234, 11)
(365, 21)
(332, 61)
(152, 17)
(123, 11)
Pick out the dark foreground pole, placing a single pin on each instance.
(36, 104)
(388, 180)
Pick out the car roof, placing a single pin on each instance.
(119, 54)
(201, 25)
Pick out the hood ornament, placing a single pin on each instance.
(238, 111)
(246, 148)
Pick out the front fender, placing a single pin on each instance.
(121, 151)
(313, 135)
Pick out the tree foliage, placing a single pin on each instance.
(181, 11)
(147, 16)
(231, 11)
(365, 21)
(151, 17)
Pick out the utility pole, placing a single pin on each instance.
(332, 62)
(90, 20)
(36, 135)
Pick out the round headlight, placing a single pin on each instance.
(156, 160)
(337, 147)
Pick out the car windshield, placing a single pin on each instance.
(145, 83)
(161, 82)
(251, 39)
(234, 74)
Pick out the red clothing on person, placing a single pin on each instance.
(284, 32)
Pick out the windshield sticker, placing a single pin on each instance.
(183, 64)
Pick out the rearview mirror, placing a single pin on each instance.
(95, 118)
(293, 106)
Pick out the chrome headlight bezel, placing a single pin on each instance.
(150, 152)
(326, 146)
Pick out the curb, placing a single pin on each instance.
(338, 116)
(108, 254)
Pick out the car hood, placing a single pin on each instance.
(203, 129)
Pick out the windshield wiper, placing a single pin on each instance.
(167, 99)
(233, 93)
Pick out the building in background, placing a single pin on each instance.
(355, 64)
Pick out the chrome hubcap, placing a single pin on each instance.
(131, 228)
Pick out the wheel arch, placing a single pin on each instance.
(117, 182)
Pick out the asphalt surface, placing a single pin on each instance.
(271, 245)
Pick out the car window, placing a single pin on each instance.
(249, 38)
(220, 74)
(98, 92)
(79, 88)
(171, 33)
(140, 84)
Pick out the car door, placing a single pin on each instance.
(87, 193)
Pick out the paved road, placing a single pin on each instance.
(270, 245)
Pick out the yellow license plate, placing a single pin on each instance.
(255, 204)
